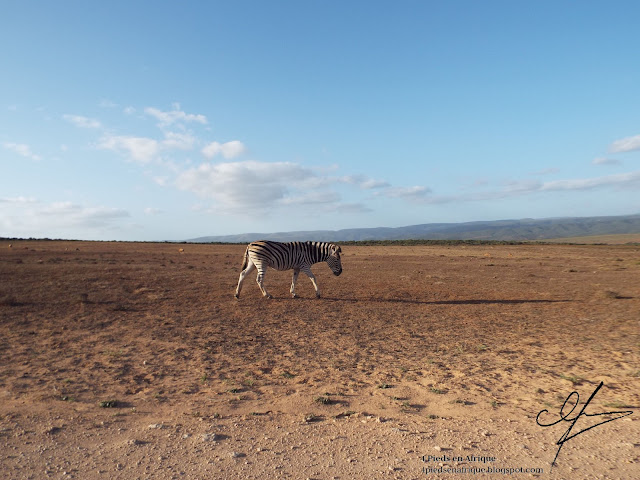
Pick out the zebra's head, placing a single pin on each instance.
(334, 262)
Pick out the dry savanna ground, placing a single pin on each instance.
(126, 360)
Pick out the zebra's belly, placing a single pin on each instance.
(284, 267)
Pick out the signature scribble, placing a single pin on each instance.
(565, 418)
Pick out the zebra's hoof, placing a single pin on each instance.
(268, 296)
(293, 295)
(237, 297)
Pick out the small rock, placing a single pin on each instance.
(210, 437)
(437, 449)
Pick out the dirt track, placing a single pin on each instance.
(123, 360)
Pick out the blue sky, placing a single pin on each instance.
(172, 120)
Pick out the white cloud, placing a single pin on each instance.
(371, 184)
(364, 182)
(180, 141)
(251, 187)
(24, 216)
(228, 150)
(18, 200)
(176, 115)
(407, 193)
(76, 215)
(249, 184)
(322, 197)
(140, 149)
(144, 149)
(351, 208)
(518, 188)
(605, 161)
(627, 144)
(82, 122)
(106, 103)
(161, 180)
(21, 149)
(622, 180)
(152, 211)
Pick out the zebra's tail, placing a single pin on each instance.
(245, 262)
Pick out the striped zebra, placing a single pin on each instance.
(298, 256)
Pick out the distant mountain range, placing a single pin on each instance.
(501, 230)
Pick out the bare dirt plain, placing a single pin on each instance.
(125, 361)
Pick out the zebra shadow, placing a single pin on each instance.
(445, 302)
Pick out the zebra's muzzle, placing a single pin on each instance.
(337, 274)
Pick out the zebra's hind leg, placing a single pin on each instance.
(260, 280)
(296, 272)
(249, 268)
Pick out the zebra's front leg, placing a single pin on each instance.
(260, 280)
(296, 272)
(312, 277)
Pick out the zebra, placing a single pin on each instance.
(298, 256)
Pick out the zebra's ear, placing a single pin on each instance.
(338, 249)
